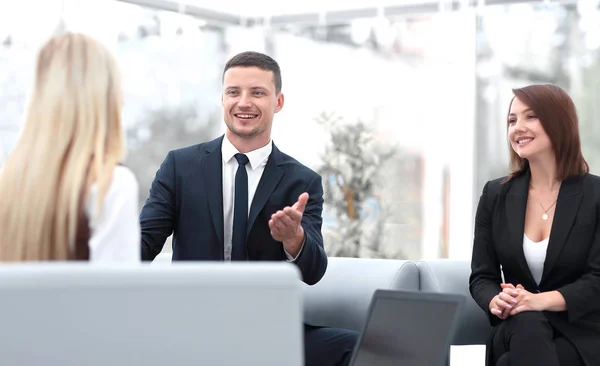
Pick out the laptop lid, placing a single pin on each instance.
(226, 314)
(408, 329)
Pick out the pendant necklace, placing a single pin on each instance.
(545, 215)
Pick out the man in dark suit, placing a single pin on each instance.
(239, 198)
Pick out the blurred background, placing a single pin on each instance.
(400, 105)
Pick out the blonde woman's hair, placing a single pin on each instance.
(71, 138)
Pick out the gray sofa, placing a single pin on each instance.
(342, 297)
(452, 276)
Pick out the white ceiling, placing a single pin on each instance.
(265, 8)
(277, 12)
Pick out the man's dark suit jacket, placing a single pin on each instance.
(186, 199)
(572, 264)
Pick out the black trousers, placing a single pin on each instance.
(324, 346)
(528, 339)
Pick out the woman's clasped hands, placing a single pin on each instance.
(513, 300)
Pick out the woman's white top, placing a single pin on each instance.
(535, 254)
(115, 235)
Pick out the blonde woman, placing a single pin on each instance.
(63, 195)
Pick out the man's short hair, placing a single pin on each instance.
(256, 59)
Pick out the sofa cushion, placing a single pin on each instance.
(452, 276)
(342, 297)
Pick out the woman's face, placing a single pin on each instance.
(525, 132)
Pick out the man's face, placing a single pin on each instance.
(249, 102)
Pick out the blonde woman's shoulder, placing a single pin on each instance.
(123, 187)
(123, 176)
(116, 233)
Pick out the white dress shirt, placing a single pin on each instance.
(115, 233)
(255, 168)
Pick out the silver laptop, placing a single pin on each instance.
(407, 329)
(184, 314)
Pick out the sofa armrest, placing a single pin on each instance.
(452, 276)
(342, 297)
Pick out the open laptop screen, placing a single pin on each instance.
(408, 329)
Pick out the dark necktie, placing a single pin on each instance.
(240, 210)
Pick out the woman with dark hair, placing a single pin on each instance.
(539, 228)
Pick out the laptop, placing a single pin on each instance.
(128, 315)
(407, 329)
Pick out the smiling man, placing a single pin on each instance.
(239, 198)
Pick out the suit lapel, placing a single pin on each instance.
(268, 182)
(212, 171)
(567, 205)
(516, 205)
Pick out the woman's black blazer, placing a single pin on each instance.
(572, 264)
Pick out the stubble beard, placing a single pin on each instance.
(245, 134)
